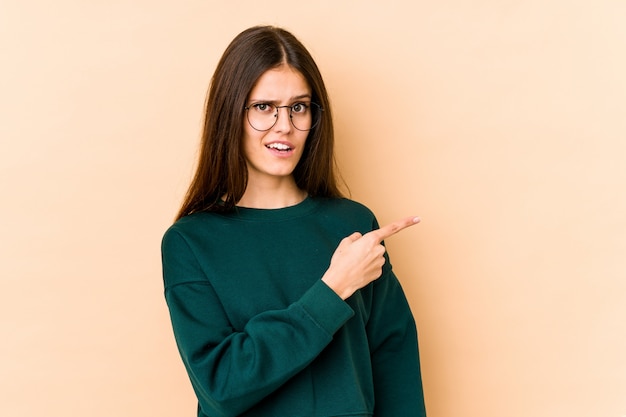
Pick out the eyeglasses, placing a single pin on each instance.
(303, 116)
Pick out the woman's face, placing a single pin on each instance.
(274, 153)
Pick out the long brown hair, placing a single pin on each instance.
(222, 170)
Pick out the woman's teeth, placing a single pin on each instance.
(278, 146)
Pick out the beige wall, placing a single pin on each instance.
(502, 123)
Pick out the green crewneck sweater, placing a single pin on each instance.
(262, 336)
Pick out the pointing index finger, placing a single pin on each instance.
(394, 227)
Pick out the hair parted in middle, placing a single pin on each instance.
(221, 175)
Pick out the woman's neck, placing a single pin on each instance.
(272, 196)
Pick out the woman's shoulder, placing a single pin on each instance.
(345, 203)
(192, 220)
(343, 206)
(193, 224)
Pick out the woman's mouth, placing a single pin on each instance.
(277, 146)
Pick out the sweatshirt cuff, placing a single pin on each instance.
(325, 307)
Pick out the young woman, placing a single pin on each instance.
(281, 295)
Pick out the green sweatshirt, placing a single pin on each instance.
(261, 335)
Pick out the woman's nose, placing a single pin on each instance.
(283, 122)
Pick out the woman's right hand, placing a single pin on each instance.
(359, 259)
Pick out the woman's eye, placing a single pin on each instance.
(263, 107)
(299, 108)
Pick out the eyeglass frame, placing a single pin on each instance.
(290, 107)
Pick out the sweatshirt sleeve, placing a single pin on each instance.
(394, 349)
(230, 370)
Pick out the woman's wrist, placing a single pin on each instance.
(335, 283)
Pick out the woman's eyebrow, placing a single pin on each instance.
(301, 96)
(276, 102)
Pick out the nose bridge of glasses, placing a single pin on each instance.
(288, 108)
